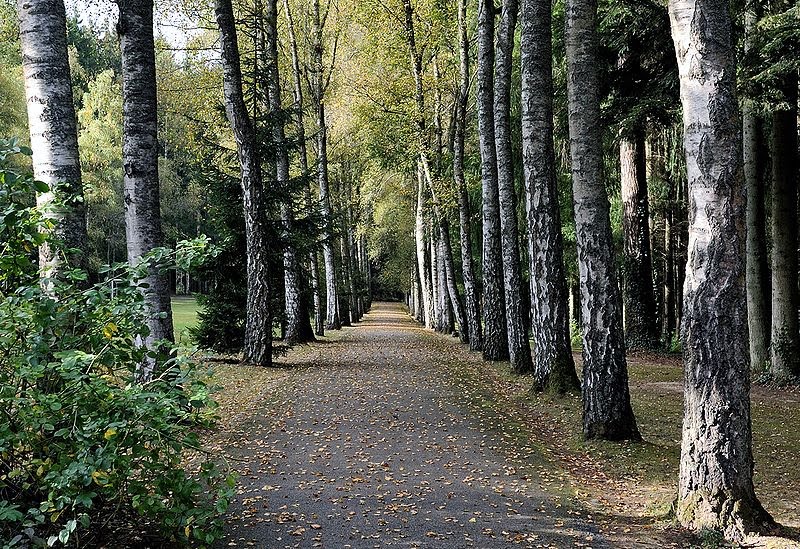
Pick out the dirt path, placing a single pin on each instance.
(365, 447)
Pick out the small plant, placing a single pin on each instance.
(575, 334)
(85, 447)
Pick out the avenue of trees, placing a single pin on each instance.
(523, 174)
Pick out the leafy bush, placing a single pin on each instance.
(85, 448)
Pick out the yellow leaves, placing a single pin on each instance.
(100, 478)
(110, 433)
(109, 330)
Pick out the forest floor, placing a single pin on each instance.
(389, 435)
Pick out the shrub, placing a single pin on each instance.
(85, 448)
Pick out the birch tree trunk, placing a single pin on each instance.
(637, 267)
(471, 299)
(298, 323)
(553, 366)
(757, 271)
(140, 161)
(258, 327)
(519, 349)
(715, 490)
(422, 261)
(53, 127)
(607, 412)
(332, 319)
(785, 344)
(495, 335)
(297, 91)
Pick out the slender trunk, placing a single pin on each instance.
(669, 266)
(332, 320)
(495, 336)
(434, 281)
(297, 91)
(298, 324)
(519, 349)
(258, 327)
(607, 410)
(637, 266)
(53, 128)
(472, 325)
(785, 347)
(715, 490)
(422, 261)
(553, 366)
(345, 301)
(452, 286)
(140, 162)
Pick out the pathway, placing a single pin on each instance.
(369, 449)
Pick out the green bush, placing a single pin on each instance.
(85, 447)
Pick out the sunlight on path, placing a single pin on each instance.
(367, 449)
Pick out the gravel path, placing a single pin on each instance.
(367, 447)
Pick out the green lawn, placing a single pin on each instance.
(184, 315)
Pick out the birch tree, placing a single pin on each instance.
(553, 366)
(607, 412)
(140, 159)
(258, 328)
(52, 125)
(715, 489)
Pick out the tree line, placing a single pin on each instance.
(576, 154)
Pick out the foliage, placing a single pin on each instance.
(85, 448)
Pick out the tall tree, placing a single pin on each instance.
(495, 338)
(519, 349)
(258, 328)
(297, 91)
(637, 267)
(785, 341)
(52, 125)
(471, 298)
(423, 263)
(553, 366)
(715, 490)
(607, 409)
(298, 323)
(140, 159)
(318, 89)
(757, 257)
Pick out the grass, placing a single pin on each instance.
(184, 315)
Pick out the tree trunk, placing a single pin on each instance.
(297, 90)
(332, 320)
(607, 410)
(298, 324)
(519, 349)
(140, 161)
(495, 337)
(422, 256)
(637, 267)
(471, 298)
(452, 286)
(785, 347)
(669, 265)
(53, 127)
(715, 489)
(553, 366)
(258, 327)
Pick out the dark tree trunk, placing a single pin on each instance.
(607, 412)
(258, 328)
(519, 349)
(298, 323)
(785, 345)
(637, 266)
(495, 336)
(52, 124)
(715, 490)
(553, 366)
(140, 161)
(758, 293)
(471, 298)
